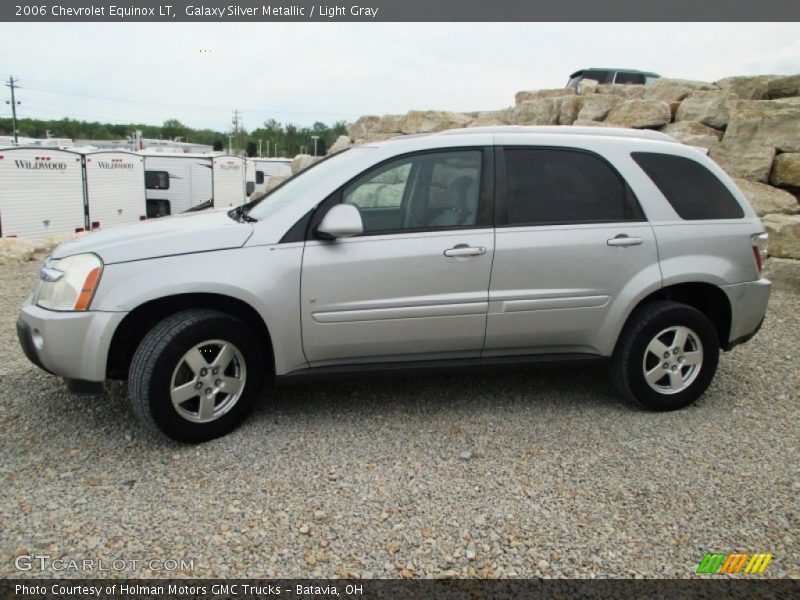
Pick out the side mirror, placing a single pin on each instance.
(343, 220)
(250, 187)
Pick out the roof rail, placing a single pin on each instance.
(641, 134)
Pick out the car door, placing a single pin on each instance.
(415, 284)
(570, 238)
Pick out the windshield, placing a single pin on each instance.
(302, 182)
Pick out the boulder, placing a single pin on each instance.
(490, 118)
(784, 87)
(768, 200)
(303, 161)
(784, 273)
(15, 250)
(748, 162)
(624, 91)
(639, 114)
(362, 126)
(429, 121)
(765, 123)
(597, 107)
(48, 243)
(701, 141)
(691, 128)
(377, 137)
(693, 133)
(711, 108)
(543, 111)
(520, 97)
(786, 170)
(388, 124)
(569, 109)
(754, 87)
(588, 123)
(784, 235)
(274, 180)
(672, 90)
(342, 142)
(587, 87)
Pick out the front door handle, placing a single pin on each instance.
(624, 240)
(461, 250)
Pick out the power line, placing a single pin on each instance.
(176, 105)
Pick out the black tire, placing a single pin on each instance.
(628, 364)
(160, 354)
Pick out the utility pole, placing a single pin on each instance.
(259, 148)
(12, 83)
(230, 144)
(315, 138)
(237, 128)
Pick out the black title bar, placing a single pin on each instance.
(455, 589)
(398, 10)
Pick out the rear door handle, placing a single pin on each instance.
(624, 240)
(464, 250)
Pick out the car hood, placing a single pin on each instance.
(165, 236)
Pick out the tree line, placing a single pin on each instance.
(279, 139)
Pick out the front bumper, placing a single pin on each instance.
(71, 344)
(748, 306)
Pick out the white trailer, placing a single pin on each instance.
(266, 168)
(41, 192)
(229, 181)
(177, 182)
(114, 182)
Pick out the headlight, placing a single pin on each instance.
(69, 283)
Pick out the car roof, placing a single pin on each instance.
(582, 71)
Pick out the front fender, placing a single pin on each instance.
(265, 277)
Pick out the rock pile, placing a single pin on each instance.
(17, 250)
(749, 125)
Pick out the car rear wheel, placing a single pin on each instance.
(666, 356)
(196, 375)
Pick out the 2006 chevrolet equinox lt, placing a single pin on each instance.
(463, 248)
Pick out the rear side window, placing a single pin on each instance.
(156, 180)
(693, 191)
(629, 78)
(554, 186)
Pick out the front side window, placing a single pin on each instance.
(426, 191)
(156, 180)
(600, 76)
(554, 186)
(693, 191)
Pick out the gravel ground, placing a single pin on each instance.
(543, 473)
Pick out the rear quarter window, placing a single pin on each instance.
(693, 191)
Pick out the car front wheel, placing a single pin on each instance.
(196, 375)
(666, 356)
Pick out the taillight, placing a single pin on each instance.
(759, 244)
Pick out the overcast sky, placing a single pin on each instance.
(304, 72)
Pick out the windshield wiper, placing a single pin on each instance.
(240, 214)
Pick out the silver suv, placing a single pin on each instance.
(469, 247)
